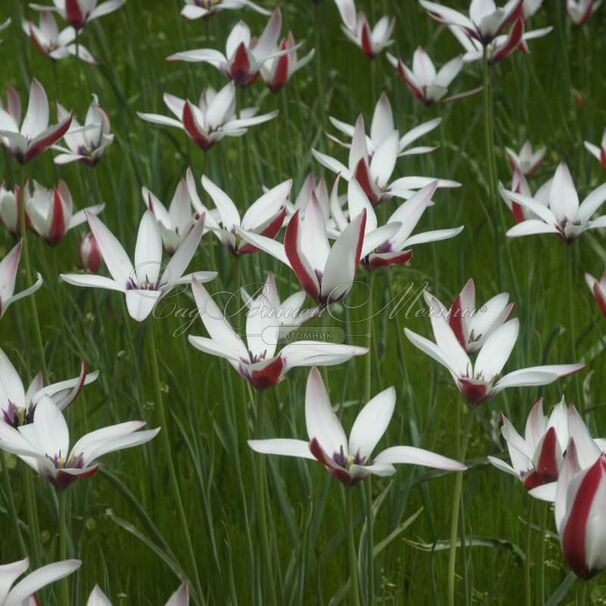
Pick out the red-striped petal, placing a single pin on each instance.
(291, 247)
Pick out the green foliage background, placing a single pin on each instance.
(124, 524)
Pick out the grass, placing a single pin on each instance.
(124, 524)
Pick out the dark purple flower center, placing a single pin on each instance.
(347, 460)
(16, 416)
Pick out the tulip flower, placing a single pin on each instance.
(8, 276)
(17, 404)
(579, 507)
(580, 11)
(141, 283)
(598, 289)
(44, 444)
(425, 83)
(383, 130)
(178, 598)
(310, 189)
(389, 244)
(485, 21)
(27, 139)
(289, 314)
(24, 592)
(9, 209)
(355, 26)
(598, 152)
(265, 216)
(89, 254)
(244, 55)
(50, 212)
(479, 381)
(501, 46)
(79, 12)
(256, 359)
(325, 273)
(279, 69)
(213, 118)
(53, 43)
(473, 325)
(374, 236)
(528, 160)
(374, 171)
(538, 457)
(195, 9)
(350, 460)
(519, 185)
(86, 143)
(557, 209)
(177, 221)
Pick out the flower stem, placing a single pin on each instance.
(165, 438)
(582, 593)
(259, 466)
(488, 126)
(528, 561)
(63, 534)
(12, 510)
(541, 560)
(351, 548)
(456, 506)
(368, 483)
(32, 519)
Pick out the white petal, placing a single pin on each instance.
(92, 281)
(371, 423)
(97, 598)
(38, 579)
(418, 456)
(148, 251)
(319, 353)
(496, 350)
(113, 254)
(531, 227)
(230, 217)
(11, 387)
(563, 199)
(322, 423)
(282, 447)
(141, 302)
(215, 323)
(36, 117)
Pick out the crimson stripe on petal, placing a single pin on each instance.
(575, 532)
(291, 247)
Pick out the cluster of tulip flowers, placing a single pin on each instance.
(325, 235)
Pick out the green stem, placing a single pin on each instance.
(368, 483)
(33, 524)
(528, 561)
(541, 560)
(488, 132)
(456, 506)
(259, 463)
(351, 549)
(582, 593)
(63, 534)
(165, 438)
(572, 310)
(10, 503)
